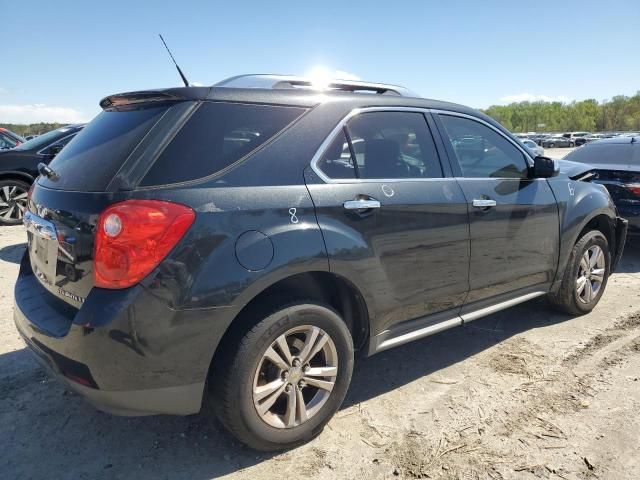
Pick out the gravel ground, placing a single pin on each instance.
(526, 393)
(558, 152)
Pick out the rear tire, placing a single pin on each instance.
(585, 276)
(304, 388)
(13, 201)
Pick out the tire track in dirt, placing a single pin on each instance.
(519, 432)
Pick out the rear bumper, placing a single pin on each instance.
(180, 400)
(144, 358)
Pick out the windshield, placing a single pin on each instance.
(6, 141)
(43, 140)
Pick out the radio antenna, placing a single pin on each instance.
(184, 79)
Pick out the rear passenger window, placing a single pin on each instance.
(336, 161)
(216, 136)
(383, 145)
(482, 152)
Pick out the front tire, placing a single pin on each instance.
(585, 276)
(286, 378)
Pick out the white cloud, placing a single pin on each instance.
(530, 97)
(39, 112)
(324, 74)
(342, 75)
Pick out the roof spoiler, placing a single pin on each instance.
(152, 96)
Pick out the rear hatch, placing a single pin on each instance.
(90, 173)
(144, 146)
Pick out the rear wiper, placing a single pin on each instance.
(46, 171)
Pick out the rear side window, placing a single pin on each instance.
(336, 162)
(216, 136)
(383, 145)
(90, 161)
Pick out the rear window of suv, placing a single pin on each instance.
(216, 136)
(90, 161)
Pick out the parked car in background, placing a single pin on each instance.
(558, 141)
(538, 138)
(578, 138)
(522, 136)
(595, 136)
(9, 139)
(533, 147)
(19, 168)
(30, 137)
(616, 165)
(172, 259)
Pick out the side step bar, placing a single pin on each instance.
(423, 327)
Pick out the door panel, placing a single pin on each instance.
(513, 219)
(409, 254)
(514, 244)
(410, 257)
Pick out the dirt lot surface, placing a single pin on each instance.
(558, 152)
(526, 393)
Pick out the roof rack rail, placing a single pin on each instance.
(289, 81)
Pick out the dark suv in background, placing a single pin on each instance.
(615, 163)
(19, 168)
(246, 240)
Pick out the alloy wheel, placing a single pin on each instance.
(13, 202)
(295, 377)
(590, 274)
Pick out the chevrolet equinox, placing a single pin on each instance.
(240, 243)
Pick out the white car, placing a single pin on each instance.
(533, 147)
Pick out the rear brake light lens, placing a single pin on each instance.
(133, 237)
(633, 188)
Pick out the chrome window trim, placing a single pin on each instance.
(39, 152)
(357, 111)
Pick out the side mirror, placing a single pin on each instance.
(55, 149)
(545, 167)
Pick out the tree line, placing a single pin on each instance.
(32, 128)
(621, 113)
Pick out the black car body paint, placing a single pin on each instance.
(267, 219)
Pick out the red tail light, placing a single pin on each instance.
(133, 237)
(633, 188)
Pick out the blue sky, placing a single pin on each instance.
(59, 58)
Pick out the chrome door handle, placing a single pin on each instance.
(484, 203)
(361, 204)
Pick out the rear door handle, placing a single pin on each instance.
(361, 204)
(484, 203)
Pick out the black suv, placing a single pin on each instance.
(19, 168)
(245, 240)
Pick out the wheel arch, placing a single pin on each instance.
(601, 222)
(319, 286)
(17, 175)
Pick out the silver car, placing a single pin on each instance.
(533, 147)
